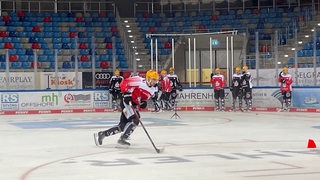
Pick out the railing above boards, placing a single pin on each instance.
(57, 6)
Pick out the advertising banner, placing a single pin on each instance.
(53, 100)
(267, 97)
(76, 99)
(50, 101)
(195, 97)
(17, 81)
(66, 80)
(102, 79)
(306, 97)
(101, 99)
(268, 77)
(30, 100)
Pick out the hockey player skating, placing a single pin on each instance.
(217, 81)
(136, 91)
(285, 80)
(166, 89)
(236, 89)
(114, 89)
(246, 84)
(175, 85)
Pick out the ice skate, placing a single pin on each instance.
(280, 110)
(248, 110)
(122, 143)
(233, 110)
(155, 110)
(98, 138)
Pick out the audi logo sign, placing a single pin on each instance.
(103, 76)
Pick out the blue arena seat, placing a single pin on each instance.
(20, 51)
(23, 58)
(2, 65)
(16, 65)
(66, 65)
(29, 52)
(42, 58)
(123, 64)
(86, 65)
(26, 65)
(2, 58)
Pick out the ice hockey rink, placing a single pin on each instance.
(199, 145)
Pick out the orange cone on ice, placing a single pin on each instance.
(311, 144)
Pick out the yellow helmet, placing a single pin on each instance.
(285, 69)
(171, 69)
(218, 69)
(164, 72)
(117, 72)
(245, 67)
(151, 74)
(238, 68)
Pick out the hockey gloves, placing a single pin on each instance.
(143, 104)
(280, 74)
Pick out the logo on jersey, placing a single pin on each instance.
(288, 94)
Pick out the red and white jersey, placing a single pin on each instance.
(285, 86)
(165, 84)
(138, 88)
(217, 81)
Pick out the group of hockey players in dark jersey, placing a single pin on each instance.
(241, 88)
(169, 84)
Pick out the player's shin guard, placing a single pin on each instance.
(240, 104)
(168, 105)
(156, 106)
(112, 131)
(115, 105)
(289, 103)
(222, 104)
(128, 130)
(234, 104)
(102, 134)
(249, 104)
(217, 105)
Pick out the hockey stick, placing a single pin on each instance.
(154, 146)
